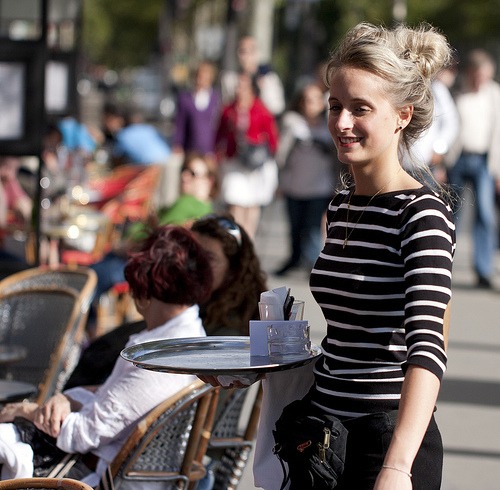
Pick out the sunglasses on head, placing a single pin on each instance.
(226, 224)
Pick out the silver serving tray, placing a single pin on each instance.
(207, 356)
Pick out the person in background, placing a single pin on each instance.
(79, 141)
(113, 120)
(197, 114)
(198, 188)
(77, 136)
(270, 86)
(432, 150)
(309, 174)
(19, 205)
(246, 122)
(478, 103)
(169, 276)
(238, 280)
(238, 276)
(10, 206)
(139, 142)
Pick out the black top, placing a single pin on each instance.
(383, 295)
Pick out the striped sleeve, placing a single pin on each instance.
(427, 249)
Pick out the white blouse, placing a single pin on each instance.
(108, 416)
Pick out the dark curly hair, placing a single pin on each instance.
(235, 303)
(171, 266)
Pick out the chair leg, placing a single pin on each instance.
(122, 301)
(106, 482)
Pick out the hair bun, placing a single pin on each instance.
(425, 47)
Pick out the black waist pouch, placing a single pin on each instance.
(313, 445)
(46, 453)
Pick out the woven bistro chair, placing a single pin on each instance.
(233, 434)
(168, 444)
(48, 483)
(41, 320)
(82, 280)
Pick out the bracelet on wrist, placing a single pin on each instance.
(388, 467)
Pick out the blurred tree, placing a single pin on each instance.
(120, 33)
(307, 30)
(96, 30)
(465, 23)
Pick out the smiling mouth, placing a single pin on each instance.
(349, 141)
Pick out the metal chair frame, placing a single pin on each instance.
(233, 438)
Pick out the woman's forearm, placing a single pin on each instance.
(418, 400)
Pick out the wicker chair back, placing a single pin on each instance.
(42, 321)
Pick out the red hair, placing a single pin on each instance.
(170, 266)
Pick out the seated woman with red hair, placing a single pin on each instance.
(169, 276)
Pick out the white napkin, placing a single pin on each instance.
(275, 299)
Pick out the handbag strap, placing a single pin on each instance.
(286, 473)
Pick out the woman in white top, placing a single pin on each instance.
(309, 174)
(168, 277)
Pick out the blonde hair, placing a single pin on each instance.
(407, 59)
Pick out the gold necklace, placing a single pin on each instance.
(348, 234)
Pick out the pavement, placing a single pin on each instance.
(468, 409)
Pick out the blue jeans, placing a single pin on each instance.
(472, 168)
(110, 271)
(367, 443)
(305, 217)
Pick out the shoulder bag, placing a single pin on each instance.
(253, 155)
(312, 444)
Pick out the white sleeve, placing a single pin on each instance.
(126, 396)
(80, 395)
(494, 153)
(272, 93)
(447, 119)
(293, 127)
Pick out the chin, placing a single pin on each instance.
(347, 158)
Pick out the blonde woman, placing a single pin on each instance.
(383, 279)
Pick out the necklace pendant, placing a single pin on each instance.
(345, 243)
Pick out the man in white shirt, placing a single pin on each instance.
(432, 148)
(479, 162)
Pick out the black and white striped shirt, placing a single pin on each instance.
(383, 296)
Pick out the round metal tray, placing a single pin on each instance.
(208, 356)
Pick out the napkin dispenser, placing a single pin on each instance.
(259, 333)
(274, 309)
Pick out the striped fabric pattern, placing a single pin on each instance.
(383, 296)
